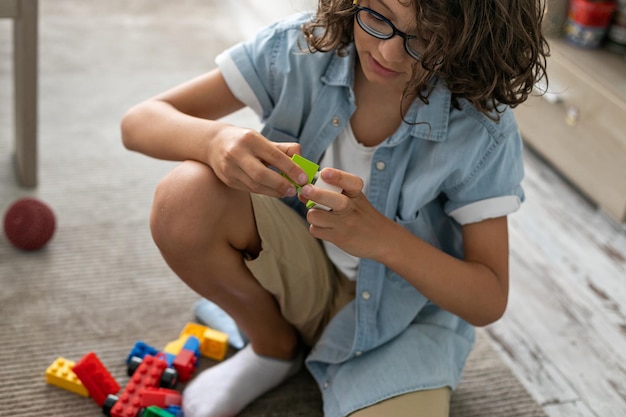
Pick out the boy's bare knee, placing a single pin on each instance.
(194, 212)
(178, 206)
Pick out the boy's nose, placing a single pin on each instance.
(392, 49)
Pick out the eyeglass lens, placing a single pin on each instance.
(380, 27)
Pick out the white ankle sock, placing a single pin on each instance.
(227, 388)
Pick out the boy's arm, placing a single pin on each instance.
(474, 288)
(182, 124)
(178, 124)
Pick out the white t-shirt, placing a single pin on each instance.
(348, 155)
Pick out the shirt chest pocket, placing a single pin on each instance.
(413, 212)
(418, 225)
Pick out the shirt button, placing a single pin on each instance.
(358, 353)
(365, 295)
(380, 165)
(336, 121)
(325, 386)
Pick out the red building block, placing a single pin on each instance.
(161, 397)
(95, 377)
(185, 364)
(147, 375)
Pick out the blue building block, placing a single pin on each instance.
(140, 350)
(175, 410)
(193, 344)
(169, 358)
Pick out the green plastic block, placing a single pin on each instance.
(309, 168)
(154, 411)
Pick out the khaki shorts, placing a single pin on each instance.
(294, 268)
(428, 403)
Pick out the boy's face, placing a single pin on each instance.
(386, 62)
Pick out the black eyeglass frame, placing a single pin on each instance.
(395, 31)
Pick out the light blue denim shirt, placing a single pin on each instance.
(459, 167)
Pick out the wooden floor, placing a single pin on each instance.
(564, 333)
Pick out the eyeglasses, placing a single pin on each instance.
(378, 26)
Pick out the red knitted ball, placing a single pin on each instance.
(29, 224)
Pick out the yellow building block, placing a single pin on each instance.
(214, 344)
(60, 374)
(176, 346)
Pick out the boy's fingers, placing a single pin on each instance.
(289, 148)
(280, 158)
(350, 184)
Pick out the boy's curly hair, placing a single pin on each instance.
(488, 52)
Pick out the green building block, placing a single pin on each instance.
(309, 168)
(154, 411)
(312, 171)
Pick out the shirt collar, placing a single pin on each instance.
(340, 73)
(340, 70)
(430, 121)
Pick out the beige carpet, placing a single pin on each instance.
(103, 287)
(100, 285)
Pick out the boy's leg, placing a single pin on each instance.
(227, 388)
(294, 268)
(202, 227)
(428, 403)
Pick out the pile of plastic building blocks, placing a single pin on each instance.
(154, 374)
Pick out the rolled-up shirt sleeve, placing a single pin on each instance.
(493, 188)
(237, 82)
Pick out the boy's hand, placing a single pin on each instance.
(241, 157)
(353, 223)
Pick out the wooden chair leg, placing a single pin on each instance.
(25, 90)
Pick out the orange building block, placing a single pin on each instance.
(193, 329)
